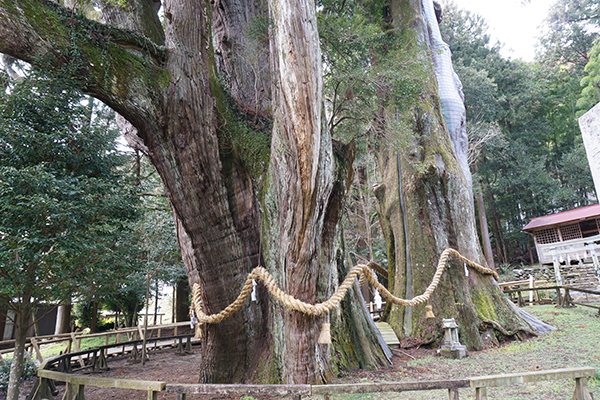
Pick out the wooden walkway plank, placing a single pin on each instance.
(389, 336)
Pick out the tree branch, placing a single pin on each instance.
(116, 66)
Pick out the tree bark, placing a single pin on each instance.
(63, 318)
(182, 303)
(501, 251)
(439, 214)
(22, 324)
(3, 317)
(485, 234)
(94, 319)
(304, 194)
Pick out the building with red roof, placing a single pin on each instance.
(573, 229)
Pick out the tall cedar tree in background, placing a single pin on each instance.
(240, 141)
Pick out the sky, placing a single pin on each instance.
(511, 22)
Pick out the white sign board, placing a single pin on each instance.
(590, 131)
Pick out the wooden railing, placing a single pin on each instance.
(76, 383)
(60, 368)
(563, 295)
(74, 338)
(534, 294)
(574, 249)
(482, 383)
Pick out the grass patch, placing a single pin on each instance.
(573, 344)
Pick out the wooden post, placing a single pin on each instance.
(567, 299)
(453, 394)
(152, 395)
(179, 350)
(520, 301)
(77, 345)
(558, 298)
(181, 396)
(581, 390)
(74, 392)
(557, 275)
(481, 393)
(38, 353)
(595, 260)
(531, 286)
(42, 390)
(188, 345)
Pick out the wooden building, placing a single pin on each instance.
(568, 236)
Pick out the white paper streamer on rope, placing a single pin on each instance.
(194, 320)
(377, 297)
(466, 269)
(378, 300)
(253, 294)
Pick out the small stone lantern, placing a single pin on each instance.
(451, 347)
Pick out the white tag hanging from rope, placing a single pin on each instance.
(466, 270)
(378, 300)
(194, 320)
(253, 294)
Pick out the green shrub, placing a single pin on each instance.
(29, 371)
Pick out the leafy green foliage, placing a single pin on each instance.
(65, 203)
(372, 77)
(366, 67)
(590, 94)
(573, 27)
(29, 371)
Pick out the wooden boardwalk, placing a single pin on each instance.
(389, 336)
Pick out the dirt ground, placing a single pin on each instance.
(168, 367)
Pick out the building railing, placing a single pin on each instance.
(570, 250)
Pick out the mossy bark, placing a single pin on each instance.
(303, 202)
(439, 213)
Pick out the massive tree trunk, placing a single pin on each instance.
(438, 213)
(199, 108)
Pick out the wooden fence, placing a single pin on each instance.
(563, 295)
(76, 383)
(60, 367)
(74, 339)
